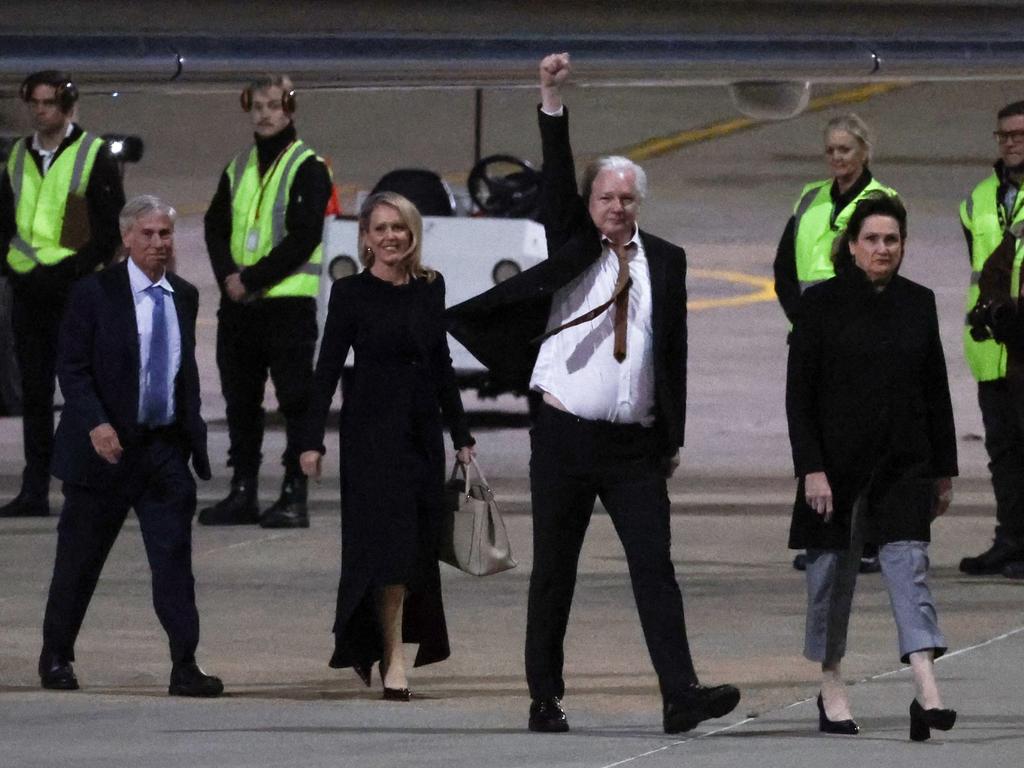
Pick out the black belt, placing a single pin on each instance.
(610, 429)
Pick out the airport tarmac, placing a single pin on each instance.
(266, 598)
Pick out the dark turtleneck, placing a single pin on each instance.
(270, 148)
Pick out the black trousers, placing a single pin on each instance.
(159, 486)
(36, 323)
(1002, 412)
(270, 336)
(574, 462)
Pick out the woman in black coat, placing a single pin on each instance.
(874, 448)
(392, 453)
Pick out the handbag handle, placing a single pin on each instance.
(465, 471)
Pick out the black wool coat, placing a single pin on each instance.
(499, 327)
(868, 403)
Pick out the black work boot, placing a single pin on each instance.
(289, 511)
(239, 507)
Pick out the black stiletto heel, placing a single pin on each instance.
(394, 694)
(923, 720)
(365, 672)
(842, 727)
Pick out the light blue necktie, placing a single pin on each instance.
(154, 397)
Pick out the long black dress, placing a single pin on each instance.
(392, 455)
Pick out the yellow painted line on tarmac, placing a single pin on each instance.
(662, 145)
(764, 289)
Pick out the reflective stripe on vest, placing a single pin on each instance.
(979, 215)
(815, 231)
(258, 222)
(39, 201)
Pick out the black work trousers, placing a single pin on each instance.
(573, 462)
(159, 486)
(1002, 411)
(36, 322)
(275, 336)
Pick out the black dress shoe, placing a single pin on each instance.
(57, 674)
(1003, 551)
(684, 711)
(923, 720)
(397, 694)
(26, 505)
(842, 727)
(239, 507)
(869, 565)
(289, 511)
(187, 679)
(547, 716)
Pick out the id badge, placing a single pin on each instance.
(253, 240)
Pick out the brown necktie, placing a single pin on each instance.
(620, 298)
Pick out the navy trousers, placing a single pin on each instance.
(159, 486)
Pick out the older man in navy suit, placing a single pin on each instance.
(131, 421)
(597, 332)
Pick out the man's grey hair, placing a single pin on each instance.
(140, 206)
(614, 163)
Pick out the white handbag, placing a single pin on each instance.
(473, 536)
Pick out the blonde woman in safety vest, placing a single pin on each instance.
(60, 194)
(820, 214)
(263, 234)
(993, 210)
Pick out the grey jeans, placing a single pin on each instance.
(832, 577)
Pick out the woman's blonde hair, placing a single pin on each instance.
(856, 127)
(410, 216)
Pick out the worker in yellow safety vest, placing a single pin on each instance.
(993, 209)
(60, 195)
(804, 254)
(263, 232)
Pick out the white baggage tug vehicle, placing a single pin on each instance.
(473, 253)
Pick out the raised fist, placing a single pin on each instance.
(554, 70)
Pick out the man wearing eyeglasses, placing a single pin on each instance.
(987, 216)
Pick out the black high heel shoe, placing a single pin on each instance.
(923, 720)
(393, 694)
(842, 727)
(365, 672)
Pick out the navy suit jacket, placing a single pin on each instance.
(98, 369)
(498, 327)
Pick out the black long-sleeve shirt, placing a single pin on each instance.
(304, 219)
(104, 196)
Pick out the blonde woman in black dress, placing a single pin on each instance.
(392, 457)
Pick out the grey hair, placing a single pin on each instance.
(140, 206)
(613, 163)
(854, 126)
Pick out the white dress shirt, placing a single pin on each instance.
(47, 154)
(577, 366)
(144, 322)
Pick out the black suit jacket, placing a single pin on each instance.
(498, 327)
(98, 369)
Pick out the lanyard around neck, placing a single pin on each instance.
(265, 181)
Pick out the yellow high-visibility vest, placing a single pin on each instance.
(986, 219)
(258, 207)
(815, 230)
(40, 201)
